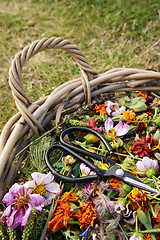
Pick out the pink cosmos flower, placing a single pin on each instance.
(119, 130)
(86, 170)
(19, 205)
(42, 184)
(147, 166)
(114, 109)
(135, 236)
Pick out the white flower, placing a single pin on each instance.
(114, 109)
(86, 170)
(42, 184)
(135, 236)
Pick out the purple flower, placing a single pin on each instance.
(19, 205)
(42, 184)
(147, 166)
(114, 109)
(119, 130)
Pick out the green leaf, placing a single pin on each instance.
(156, 210)
(145, 219)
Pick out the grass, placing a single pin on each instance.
(110, 33)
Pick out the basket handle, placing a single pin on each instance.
(21, 99)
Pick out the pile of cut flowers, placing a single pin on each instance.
(40, 206)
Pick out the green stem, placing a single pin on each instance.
(121, 154)
(123, 231)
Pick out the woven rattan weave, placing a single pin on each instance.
(33, 118)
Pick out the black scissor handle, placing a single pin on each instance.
(84, 152)
(72, 150)
(69, 179)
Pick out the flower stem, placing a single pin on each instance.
(52, 210)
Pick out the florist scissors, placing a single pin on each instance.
(75, 151)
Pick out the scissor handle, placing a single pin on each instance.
(89, 178)
(87, 153)
(72, 150)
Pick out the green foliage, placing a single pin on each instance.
(145, 219)
(36, 156)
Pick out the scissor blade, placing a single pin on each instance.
(139, 184)
(128, 178)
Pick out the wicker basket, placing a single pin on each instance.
(34, 118)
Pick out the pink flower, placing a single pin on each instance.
(42, 184)
(135, 236)
(114, 109)
(86, 170)
(119, 130)
(19, 205)
(147, 166)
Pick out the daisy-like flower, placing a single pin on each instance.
(19, 205)
(119, 130)
(114, 109)
(42, 184)
(147, 166)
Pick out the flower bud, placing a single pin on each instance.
(137, 236)
(115, 144)
(157, 121)
(91, 138)
(147, 166)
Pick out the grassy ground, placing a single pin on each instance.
(110, 33)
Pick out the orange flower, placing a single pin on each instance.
(87, 214)
(101, 109)
(138, 199)
(129, 115)
(63, 212)
(142, 95)
(115, 183)
(148, 236)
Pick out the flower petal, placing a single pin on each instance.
(119, 127)
(147, 162)
(8, 199)
(6, 213)
(52, 188)
(18, 218)
(26, 214)
(125, 128)
(108, 125)
(38, 177)
(37, 200)
(48, 178)
(10, 219)
(140, 166)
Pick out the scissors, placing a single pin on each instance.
(100, 173)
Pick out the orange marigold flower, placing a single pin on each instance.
(101, 109)
(87, 214)
(138, 199)
(64, 212)
(115, 183)
(148, 236)
(142, 95)
(129, 115)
